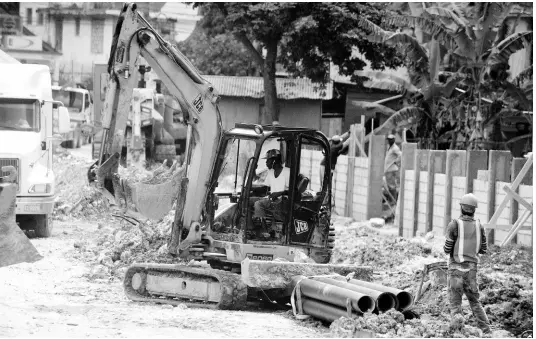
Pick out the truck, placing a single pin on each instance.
(79, 104)
(28, 127)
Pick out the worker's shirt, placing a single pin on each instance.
(392, 159)
(465, 239)
(280, 183)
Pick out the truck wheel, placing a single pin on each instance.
(43, 225)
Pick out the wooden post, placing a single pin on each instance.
(456, 166)
(499, 170)
(436, 164)
(476, 160)
(406, 163)
(375, 175)
(421, 164)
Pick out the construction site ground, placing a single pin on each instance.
(76, 290)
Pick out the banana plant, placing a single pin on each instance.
(469, 34)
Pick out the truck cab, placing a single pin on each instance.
(79, 104)
(27, 127)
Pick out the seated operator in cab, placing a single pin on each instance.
(274, 205)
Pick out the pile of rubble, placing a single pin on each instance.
(504, 278)
(393, 324)
(122, 243)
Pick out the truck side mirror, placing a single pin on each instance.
(64, 121)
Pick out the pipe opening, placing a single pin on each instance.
(405, 300)
(385, 302)
(365, 304)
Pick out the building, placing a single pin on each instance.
(77, 35)
(241, 100)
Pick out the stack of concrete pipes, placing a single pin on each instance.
(329, 298)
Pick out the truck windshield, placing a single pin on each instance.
(19, 114)
(71, 100)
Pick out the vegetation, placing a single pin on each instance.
(302, 37)
(462, 46)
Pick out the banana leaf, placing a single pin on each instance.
(518, 94)
(371, 107)
(377, 77)
(492, 16)
(428, 26)
(511, 44)
(445, 13)
(525, 75)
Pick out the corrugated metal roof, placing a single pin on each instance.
(253, 87)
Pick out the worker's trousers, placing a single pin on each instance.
(392, 180)
(266, 208)
(462, 280)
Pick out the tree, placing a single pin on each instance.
(217, 55)
(303, 37)
(477, 48)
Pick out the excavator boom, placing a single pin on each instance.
(134, 38)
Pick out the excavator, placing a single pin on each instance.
(214, 190)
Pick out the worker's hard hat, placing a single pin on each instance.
(469, 201)
(273, 153)
(391, 136)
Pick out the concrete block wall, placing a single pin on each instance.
(458, 191)
(422, 200)
(361, 181)
(439, 204)
(480, 190)
(339, 184)
(409, 204)
(525, 237)
(504, 218)
(315, 179)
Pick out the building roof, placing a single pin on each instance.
(253, 87)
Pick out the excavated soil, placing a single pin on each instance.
(101, 246)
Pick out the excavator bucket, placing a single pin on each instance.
(15, 247)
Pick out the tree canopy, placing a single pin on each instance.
(220, 54)
(305, 38)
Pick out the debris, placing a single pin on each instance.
(377, 222)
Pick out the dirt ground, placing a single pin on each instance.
(76, 290)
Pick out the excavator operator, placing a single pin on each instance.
(274, 205)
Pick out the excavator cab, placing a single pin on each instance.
(238, 181)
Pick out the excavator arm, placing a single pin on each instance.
(133, 38)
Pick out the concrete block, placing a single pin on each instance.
(476, 161)
(408, 153)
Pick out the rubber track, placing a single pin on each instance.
(233, 290)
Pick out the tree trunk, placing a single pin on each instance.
(271, 105)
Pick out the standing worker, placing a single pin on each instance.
(465, 240)
(392, 167)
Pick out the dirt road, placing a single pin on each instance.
(56, 298)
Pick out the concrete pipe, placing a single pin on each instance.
(383, 301)
(322, 310)
(404, 299)
(333, 294)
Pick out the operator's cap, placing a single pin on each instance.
(273, 153)
(391, 136)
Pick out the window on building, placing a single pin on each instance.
(59, 34)
(97, 36)
(77, 26)
(29, 16)
(40, 18)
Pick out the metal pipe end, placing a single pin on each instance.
(364, 305)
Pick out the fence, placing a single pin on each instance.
(432, 183)
(357, 178)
